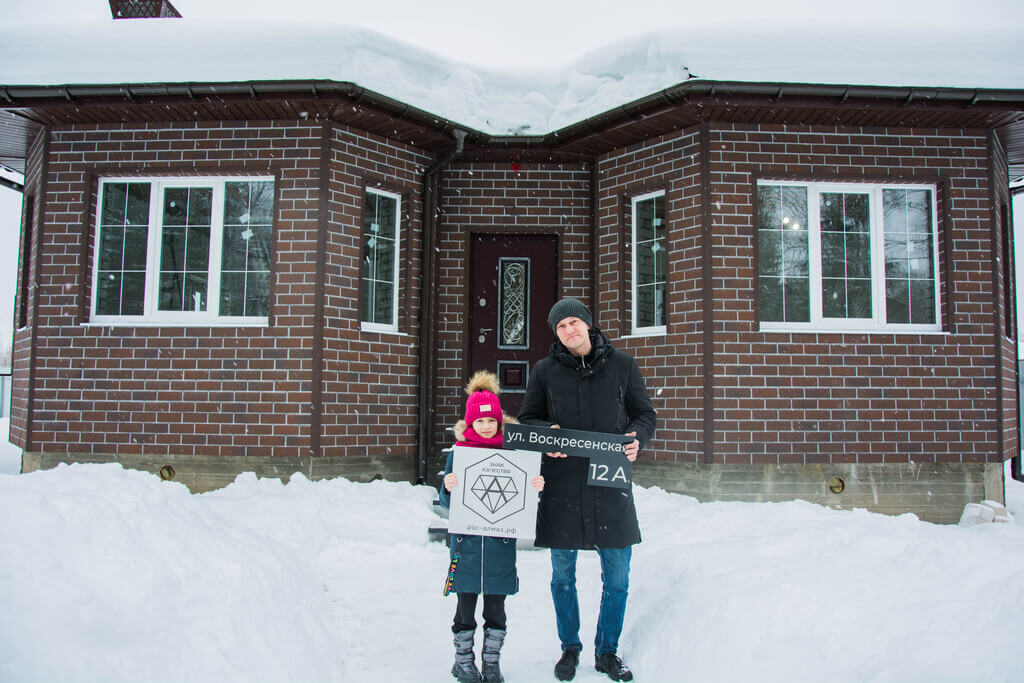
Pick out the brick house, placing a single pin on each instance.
(816, 280)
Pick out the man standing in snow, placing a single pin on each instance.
(588, 385)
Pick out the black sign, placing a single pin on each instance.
(606, 452)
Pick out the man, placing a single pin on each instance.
(588, 385)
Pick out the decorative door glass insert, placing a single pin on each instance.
(513, 302)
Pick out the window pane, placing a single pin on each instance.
(197, 244)
(245, 259)
(922, 301)
(833, 298)
(770, 289)
(172, 255)
(133, 293)
(796, 294)
(833, 255)
(175, 206)
(257, 294)
(382, 305)
(783, 250)
(858, 298)
(651, 261)
(108, 293)
(111, 248)
(114, 198)
(909, 257)
(380, 254)
(135, 245)
(845, 255)
(199, 205)
(195, 291)
(232, 294)
(384, 260)
(121, 261)
(261, 202)
(137, 210)
(233, 254)
(172, 291)
(897, 301)
(769, 252)
(185, 249)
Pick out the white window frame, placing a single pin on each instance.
(393, 325)
(152, 315)
(878, 322)
(650, 330)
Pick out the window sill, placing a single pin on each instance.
(176, 323)
(891, 331)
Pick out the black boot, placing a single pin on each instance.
(609, 664)
(464, 669)
(565, 669)
(493, 640)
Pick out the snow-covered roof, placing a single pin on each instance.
(93, 49)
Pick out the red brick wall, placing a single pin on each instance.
(809, 398)
(370, 379)
(778, 397)
(672, 364)
(496, 197)
(221, 390)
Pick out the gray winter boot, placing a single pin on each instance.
(493, 640)
(464, 669)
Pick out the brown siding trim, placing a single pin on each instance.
(947, 254)
(40, 217)
(28, 212)
(997, 299)
(595, 246)
(274, 246)
(91, 198)
(707, 275)
(319, 289)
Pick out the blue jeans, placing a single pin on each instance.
(615, 580)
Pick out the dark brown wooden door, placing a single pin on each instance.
(513, 284)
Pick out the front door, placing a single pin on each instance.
(513, 283)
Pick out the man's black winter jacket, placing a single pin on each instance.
(603, 392)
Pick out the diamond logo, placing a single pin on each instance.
(494, 492)
(496, 489)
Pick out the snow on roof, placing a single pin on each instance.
(521, 100)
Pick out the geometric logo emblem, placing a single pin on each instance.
(496, 488)
(494, 491)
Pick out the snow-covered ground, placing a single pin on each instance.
(109, 574)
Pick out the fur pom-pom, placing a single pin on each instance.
(484, 380)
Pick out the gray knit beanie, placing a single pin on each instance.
(569, 308)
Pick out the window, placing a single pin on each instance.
(380, 260)
(166, 249)
(847, 256)
(650, 263)
(26, 260)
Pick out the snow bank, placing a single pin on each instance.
(113, 575)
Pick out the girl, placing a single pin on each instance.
(480, 564)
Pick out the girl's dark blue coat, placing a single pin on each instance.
(487, 564)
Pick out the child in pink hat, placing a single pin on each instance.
(480, 564)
